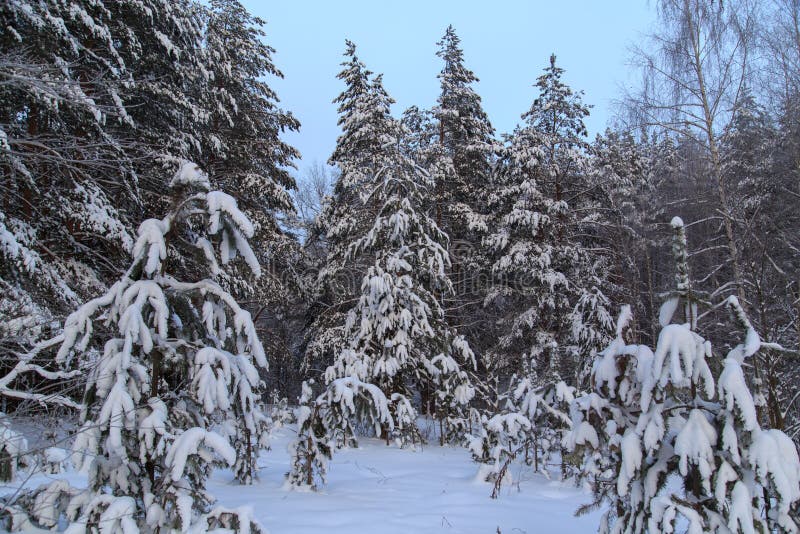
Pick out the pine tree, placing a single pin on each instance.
(463, 141)
(529, 261)
(344, 216)
(459, 152)
(544, 279)
(181, 356)
(652, 420)
(557, 116)
(63, 172)
(254, 163)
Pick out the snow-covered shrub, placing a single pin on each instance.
(546, 407)
(54, 460)
(528, 428)
(280, 413)
(325, 422)
(500, 439)
(311, 450)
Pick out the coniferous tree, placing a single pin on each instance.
(103, 96)
(253, 163)
(344, 214)
(63, 172)
(181, 356)
(396, 335)
(663, 443)
(460, 153)
(546, 284)
(327, 421)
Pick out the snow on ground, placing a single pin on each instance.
(385, 490)
(380, 489)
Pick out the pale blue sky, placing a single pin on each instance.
(506, 43)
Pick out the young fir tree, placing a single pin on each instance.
(182, 357)
(326, 422)
(668, 447)
(528, 426)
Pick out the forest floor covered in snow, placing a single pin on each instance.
(380, 489)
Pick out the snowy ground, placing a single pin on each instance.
(380, 489)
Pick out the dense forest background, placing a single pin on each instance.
(101, 101)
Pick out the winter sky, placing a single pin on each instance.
(506, 43)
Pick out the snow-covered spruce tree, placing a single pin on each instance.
(459, 156)
(528, 261)
(591, 325)
(532, 259)
(540, 269)
(397, 335)
(463, 130)
(311, 450)
(250, 161)
(671, 450)
(557, 116)
(344, 215)
(454, 390)
(170, 104)
(250, 157)
(181, 357)
(604, 417)
(496, 443)
(397, 328)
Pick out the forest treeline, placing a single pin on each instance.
(436, 267)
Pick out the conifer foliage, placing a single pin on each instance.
(536, 260)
